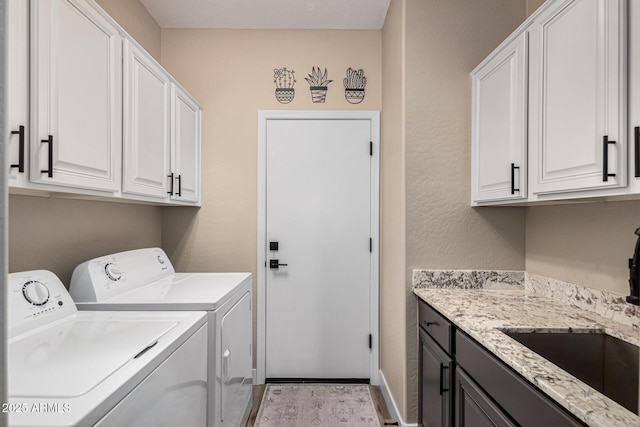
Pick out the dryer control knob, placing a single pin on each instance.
(113, 272)
(35, 292)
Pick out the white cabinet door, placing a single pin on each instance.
(499, 161)
(17, 148)
(185, 149)
(76, 96)
(634, 96)
(577, 97)
(147, 91)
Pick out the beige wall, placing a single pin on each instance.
(136, 21)
(445, 41)
(393, 346)
(57, 234)
(533, 5)
(587, 244)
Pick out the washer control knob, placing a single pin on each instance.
(160, 259)
(113, 272)
(35, 292)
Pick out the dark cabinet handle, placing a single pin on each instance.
(513, 178)
(20, 164)
(605, 158)
(636, 138)
(179, 193)
(427, 324)
(442, 389)
(49, 170)
(170, 176)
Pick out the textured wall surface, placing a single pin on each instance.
(533, 5)
(586, 244)
(392, 216)
(58, 234)
(136, 21)
(445, 41)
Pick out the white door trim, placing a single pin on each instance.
(263, 117)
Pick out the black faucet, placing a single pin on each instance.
(634, 274)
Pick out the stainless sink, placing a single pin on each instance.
(606, 363)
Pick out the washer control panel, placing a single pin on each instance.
(105, 277)
(35, 298)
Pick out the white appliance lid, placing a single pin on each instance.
(182, 291)
(73, 356)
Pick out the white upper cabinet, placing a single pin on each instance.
(634, 96)
(577, 98)
(147, 116)
(185, 148)
(76, 96)
(499, 129)
(17, 137)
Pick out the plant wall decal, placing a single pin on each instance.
(284, 80)
(354, 85)
(318, 83)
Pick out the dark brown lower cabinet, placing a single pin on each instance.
(435, 368)
(483, 390)
(474, 408)
(526, 405)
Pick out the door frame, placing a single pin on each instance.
(263, 117)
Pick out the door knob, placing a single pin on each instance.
(274, 263)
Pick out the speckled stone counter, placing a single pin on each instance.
(484, 303)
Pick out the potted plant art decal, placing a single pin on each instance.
(354, 85)
(318, 84)
(284, 80)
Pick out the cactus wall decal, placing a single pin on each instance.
(354, 85)
(318, 83)
(284, 80)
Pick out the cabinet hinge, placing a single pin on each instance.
(370, 244)
(370, 341)
(371, 148)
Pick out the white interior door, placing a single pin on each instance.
(318, 209)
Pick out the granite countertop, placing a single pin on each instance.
(483, 308)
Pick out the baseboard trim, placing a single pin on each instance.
(391, 404)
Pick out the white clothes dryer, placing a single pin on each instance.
(145, 279)
(70, 368)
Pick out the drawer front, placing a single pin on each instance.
(525, 404)
(437, 326)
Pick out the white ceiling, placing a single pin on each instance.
(269, 14)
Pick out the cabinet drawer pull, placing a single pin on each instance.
(513, 178)
(49, 170)
(605, 158)
(636, 138)
(442, 368)
(20, 164)
(170, 176)
(427, 324)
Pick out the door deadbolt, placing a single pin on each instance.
(274, 263)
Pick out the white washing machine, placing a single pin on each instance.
(70, 368)
(144, 279)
